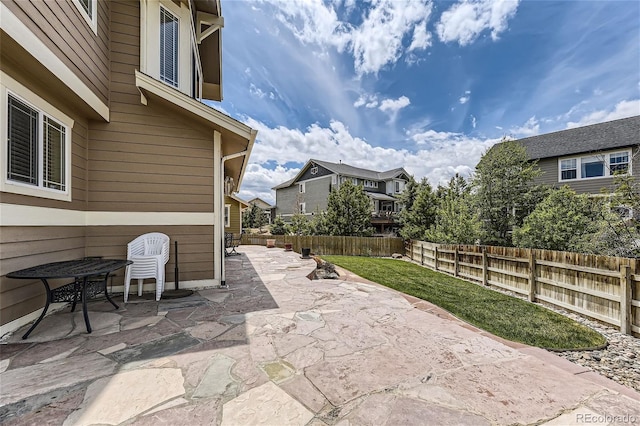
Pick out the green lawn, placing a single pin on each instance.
(505, 316)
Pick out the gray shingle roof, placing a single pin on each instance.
(284, 184)
(596, 137)
(347, 170)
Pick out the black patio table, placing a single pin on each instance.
(90, 278)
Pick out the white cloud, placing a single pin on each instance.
(256, 91)
(622, 109)
(530, 128)
(440, 155)
(465, 21)
(464, 99)
(394, 105)
(421, 37)
(375, 43)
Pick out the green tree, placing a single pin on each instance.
(299, 225)
(504, 190)
(456, 219)
(562, 221)
(420, 215)
(349, 211)
(259, 218)
(320, 224)
(249, 217)
(278, 227)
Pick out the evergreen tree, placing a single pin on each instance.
(349, 211)
(278, 227)
(504, 190)
(456, 219)
(418, 218)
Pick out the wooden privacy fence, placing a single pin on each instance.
(345, 246)
(601, 287)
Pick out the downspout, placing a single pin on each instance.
(223, 283)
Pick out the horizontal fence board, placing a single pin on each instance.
(590, 285)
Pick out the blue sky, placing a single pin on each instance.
(425, 85)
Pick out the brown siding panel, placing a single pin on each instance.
(62, 29)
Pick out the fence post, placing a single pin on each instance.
(435, 265)
(455, 262)
(485, 266)
(532, 276)
(625, 299)
(422, 254)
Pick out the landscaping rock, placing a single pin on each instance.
(396, 256)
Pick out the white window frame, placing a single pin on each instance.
(9, 86)
(354, 181)
(334, 179)
(174, 83)
(303, 208)
(604, 156)
(314, 170)
(370, 184)
(91, 15)
(227, 215)
(301, 188)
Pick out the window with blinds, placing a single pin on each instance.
(36, 147)
(169, 26)
(87, 6)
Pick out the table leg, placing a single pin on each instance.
(106, 293)
(44, 311)
(84, 304)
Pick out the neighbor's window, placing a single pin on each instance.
(594, 166)
(227, 215)
(397, 186)
(169, 26)
(303, 208)
(618, 162)
(569, 169)
(36, 145)
(301, 188)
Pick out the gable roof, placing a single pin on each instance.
(259, 202)
(596, 137)
(347, 170)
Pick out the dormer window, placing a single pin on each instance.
(169, 28)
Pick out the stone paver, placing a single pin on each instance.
(276, 348)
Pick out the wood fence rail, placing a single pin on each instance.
(601, 287)
(344, 246)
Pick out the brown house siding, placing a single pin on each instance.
(61, 27)
(33, 245)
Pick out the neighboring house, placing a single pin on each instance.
(586, 158)
(233, 207)
(309, 190)
(267, 208)
(105, 137)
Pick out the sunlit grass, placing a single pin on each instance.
(505, 316)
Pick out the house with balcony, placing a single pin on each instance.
(105, 136)
(309, 191)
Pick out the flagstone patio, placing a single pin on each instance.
(278, 349)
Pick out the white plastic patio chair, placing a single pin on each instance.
(149, 253)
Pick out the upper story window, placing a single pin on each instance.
(314, 170)
(370, 184)
(334, 180)
(354, 181)
(301, 187)
(169, 29)
(37, 156)
(594, 166)
(303, 208)
(88, 9)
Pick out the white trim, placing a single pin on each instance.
(200, 109)
(602, 155)
(302, 208)
(92, 20)
(10, 86)
(18, 31)
(21, 215)
(301, 187)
